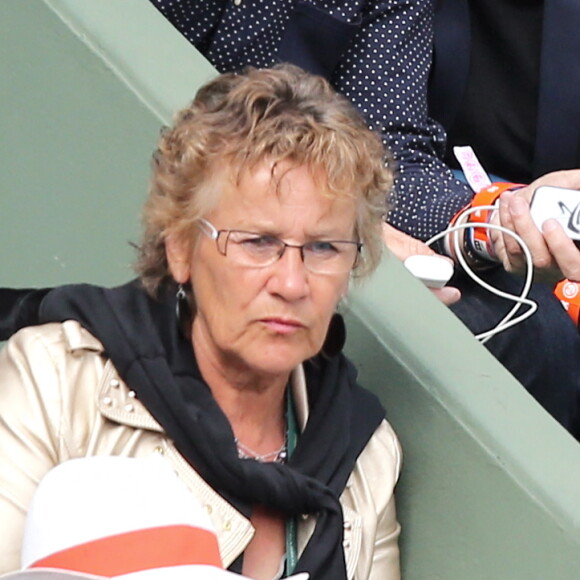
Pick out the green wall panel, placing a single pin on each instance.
(79, 123)
(490, 481)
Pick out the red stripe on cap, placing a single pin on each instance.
(138, 550)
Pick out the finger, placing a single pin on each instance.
(505, 219)
(563, 249)
(524, 225)
(448, 294)
(526, 192)
(402, 245)
(506, 247)
(496, 236)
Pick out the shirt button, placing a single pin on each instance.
(238, 2)
(227, 525)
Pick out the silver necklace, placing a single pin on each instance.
(277, 456)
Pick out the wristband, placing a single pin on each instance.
(568, 293)
(477, 245)
(479, 238)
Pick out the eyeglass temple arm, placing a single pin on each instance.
(209, 229)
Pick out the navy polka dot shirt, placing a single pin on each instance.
(384, 72)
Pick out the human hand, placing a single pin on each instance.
(403, 246)
(554, 254)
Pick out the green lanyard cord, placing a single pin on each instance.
(291, 522)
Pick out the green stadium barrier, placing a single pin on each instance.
(85, 86)
(490, 482)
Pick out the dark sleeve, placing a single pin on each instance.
(385, 73)
(19, 308)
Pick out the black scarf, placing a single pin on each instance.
(138, 333)
(19, 308)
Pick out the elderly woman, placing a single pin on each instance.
(224, 357)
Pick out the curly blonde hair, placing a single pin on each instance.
(238, 121)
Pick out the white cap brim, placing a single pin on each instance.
(197, 572)
(173, 573)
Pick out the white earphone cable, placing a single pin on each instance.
(510, 319)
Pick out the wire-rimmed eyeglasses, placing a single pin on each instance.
(260, 250)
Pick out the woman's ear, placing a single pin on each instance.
(178, 258)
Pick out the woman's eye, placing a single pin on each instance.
(322, 248)
(257, 243)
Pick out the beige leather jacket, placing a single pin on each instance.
(60, 398)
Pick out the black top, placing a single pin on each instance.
(498, 113)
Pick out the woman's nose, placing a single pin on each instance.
(289, 278)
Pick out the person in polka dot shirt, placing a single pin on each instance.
(377, 53)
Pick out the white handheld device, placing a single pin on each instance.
(559, 203)
(434, 271)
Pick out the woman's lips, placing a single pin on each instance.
(282, 325)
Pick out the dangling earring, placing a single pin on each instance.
(183, 311)
(335, 336)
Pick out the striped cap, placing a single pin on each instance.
(117, 517)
